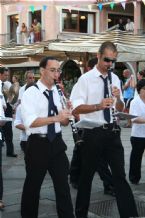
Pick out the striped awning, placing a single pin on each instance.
(130, 47)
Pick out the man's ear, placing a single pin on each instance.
(98, 55)
(42, 71)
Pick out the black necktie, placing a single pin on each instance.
(5, 97)
(106, 95)
(51, 112)
(2, 87)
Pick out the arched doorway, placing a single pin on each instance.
(70, 74)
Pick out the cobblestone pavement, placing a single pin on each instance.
(14, 174)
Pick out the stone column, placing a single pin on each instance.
(137, 18)
(103, 20)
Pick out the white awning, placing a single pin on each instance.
(130, 47)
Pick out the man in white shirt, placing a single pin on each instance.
(43, 116)
(7, 128)
(29, 78)
(137, 107)
(97, 94)
(129, 25)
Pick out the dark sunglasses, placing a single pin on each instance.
(31, 77)
(109, 60)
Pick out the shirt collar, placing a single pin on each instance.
(43, 88)
(97, 73)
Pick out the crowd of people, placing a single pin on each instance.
(95, 96)
(25, 35)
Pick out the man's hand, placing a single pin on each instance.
(63, 115)
(116, 92)
(106, 103)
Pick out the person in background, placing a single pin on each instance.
(137, 107)
(18, 33)
(121, 25)
(31, 35)
(7, 128)
(2, 106)
(128, 92)
(75, 166)
(24, 33)
(43, 115)
(130, 25)
(18, 123)
(29, 78)
(141, 75)
(92, 100)
(13, 92)
(37, 30)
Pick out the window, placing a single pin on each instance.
(78, 21)
(12, 25)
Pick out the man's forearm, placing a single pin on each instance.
(85, 109)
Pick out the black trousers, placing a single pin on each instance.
(8, 132)
(23, 145)
(1, 178)
(42, 156)
(102, 168)
(100, 141)
(138, 147)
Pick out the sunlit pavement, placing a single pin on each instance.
(14, 174)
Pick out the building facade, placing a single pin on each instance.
(60, 19)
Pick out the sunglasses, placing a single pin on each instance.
(106, 59)
(31, 77)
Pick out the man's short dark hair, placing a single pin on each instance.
(92, 62)
(142, 73)
(140, 85)
(107, 45)
(3, 69)
(43, 61)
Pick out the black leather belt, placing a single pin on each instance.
(40, 135)
(107, 126)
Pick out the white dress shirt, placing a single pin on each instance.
(7, 85)
(35, 105)
(21, 92)
(90, 90)
(18, 120)
(137, 107)
(130, 26)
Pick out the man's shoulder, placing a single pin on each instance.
(22, 87)
(114, 76)
(7, 84)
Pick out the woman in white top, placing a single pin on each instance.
(24, 33)
(137, 108)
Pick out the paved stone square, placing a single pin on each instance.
(14, 174)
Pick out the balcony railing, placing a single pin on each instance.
(7, 38)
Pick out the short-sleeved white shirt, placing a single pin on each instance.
(18, 120)
(137, 107)
(35, 105)
(90, 90)
(21, 92)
